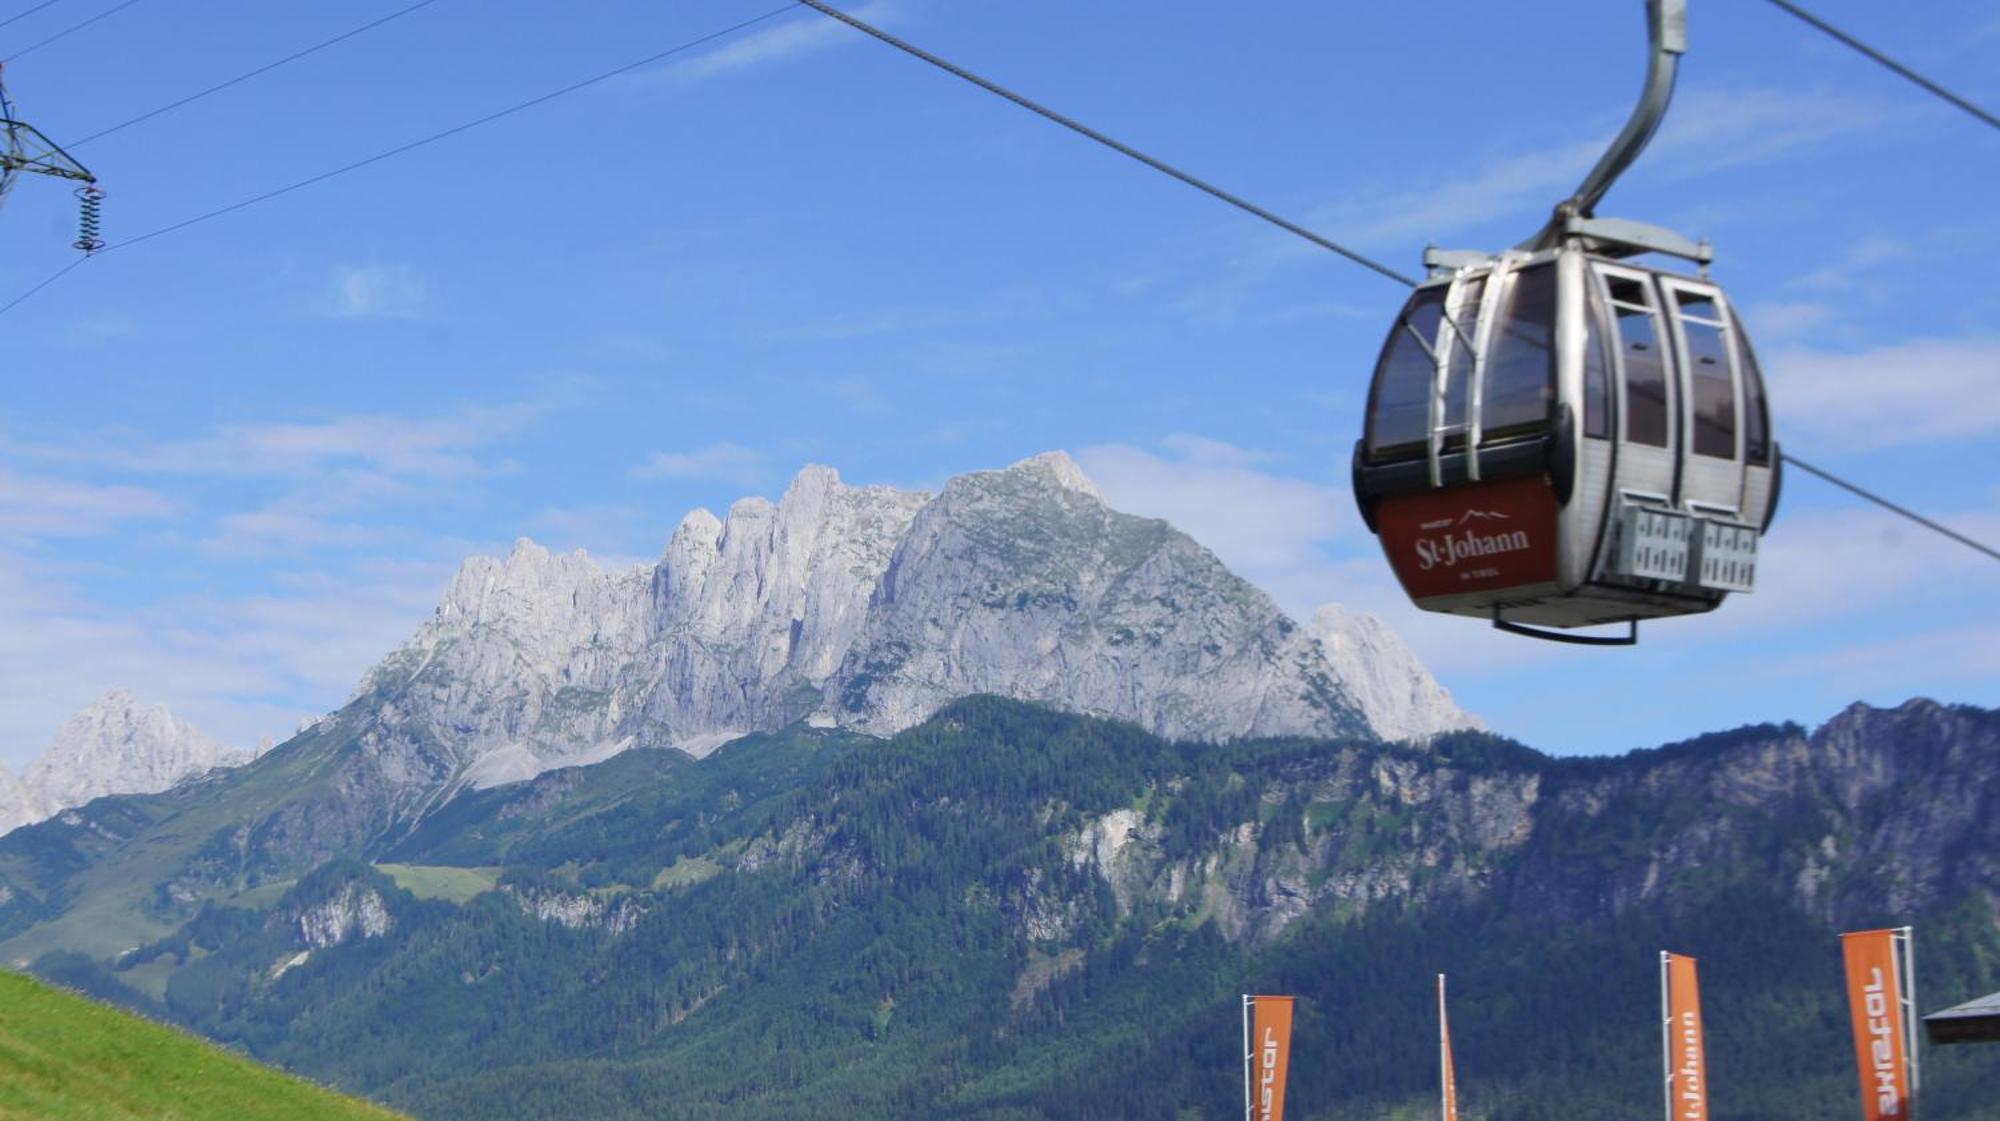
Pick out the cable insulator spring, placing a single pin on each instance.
(89, 219)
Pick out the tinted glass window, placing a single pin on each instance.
(1596, 373)
(1458, 376)
(1627, 291)
(1698, 304)
(1645, 369)
(1399, 405)
(1756, 418)
(1709, 381)
(1520, 372)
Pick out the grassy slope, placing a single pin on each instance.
(66, 1058)
(112, 890)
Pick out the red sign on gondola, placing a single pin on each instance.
(1473, 538)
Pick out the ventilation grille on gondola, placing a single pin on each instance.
(1657, 544)
(1726, 556)
(1653, 544)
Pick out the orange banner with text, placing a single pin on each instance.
(1687, 1062)
(1270, 1056)
(1875, 1001)
(1448, 1076)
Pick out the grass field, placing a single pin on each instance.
(435, 881)
(67, 1058)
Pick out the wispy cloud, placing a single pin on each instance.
(240, 667)
(810, 33)
(1268, 527)
(440, 446)
(38, 506)
(1707, 132)
(729, 462)
(377, 292)
(859, 394)
(1917, 392)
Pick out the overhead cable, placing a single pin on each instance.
(400, 149)
(1891, 63)
(68, 31)
(1116, 146)
(24, 15)
(264, 69)
(1893, 507)
(1288, 226)
(46, 281)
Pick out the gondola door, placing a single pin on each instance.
(1647, 391)
(1711, 391)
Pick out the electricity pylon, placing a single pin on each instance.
(24, 148)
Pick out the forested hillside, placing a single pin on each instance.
(1009, 913)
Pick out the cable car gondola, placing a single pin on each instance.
(1561, 435)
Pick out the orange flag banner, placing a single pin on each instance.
(1881, 1006)
(1447, 1076)
(1267, 1027)
(1686, 1061)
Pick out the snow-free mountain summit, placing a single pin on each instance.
(115, 745)
(868, 608)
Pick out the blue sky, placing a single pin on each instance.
(238, 463)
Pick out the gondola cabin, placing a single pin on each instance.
(1565, 438)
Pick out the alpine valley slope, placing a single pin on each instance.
(863, 608)
(1009, 913)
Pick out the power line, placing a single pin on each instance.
(50, 279)
(24, 15)
(1892, 507)
(1116, 146)
(1290, 227)
(403, 148)
(264, 69)
(452, 131)
(1891, 63)
(68, 31)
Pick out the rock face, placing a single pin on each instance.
(865, 607)
(1022, 583)
(1878, 811)
(115, 746)
(1397, 694)
(356, 912)
(540, 661)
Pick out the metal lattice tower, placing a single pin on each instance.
(24, 148)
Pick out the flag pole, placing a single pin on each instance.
(1908, 999)
(1666, 1042)
(1247, 1107)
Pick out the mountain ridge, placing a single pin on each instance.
(868, 607)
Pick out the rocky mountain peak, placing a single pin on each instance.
(1058, 468)
(115, 745)
(1399, 695)
(866, 607)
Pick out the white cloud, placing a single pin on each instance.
(1773, 322)
(1269, 528)
(729, 462)
(1705, 132)
(377, 292)
(43, 506)
(384, 445)
(860, 395)
(1924, 391)
(241, 667)
(807, 35)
